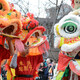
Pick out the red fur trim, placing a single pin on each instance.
(5, 7)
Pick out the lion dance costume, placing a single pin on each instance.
(26, 66)
(26, 31)
(67, 38)
(10, 26)
(32, 35)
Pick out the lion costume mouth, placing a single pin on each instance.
(41, 39)
(71, 46)
(9, 29)
(12, 29)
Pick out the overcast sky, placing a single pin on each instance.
(33, 6)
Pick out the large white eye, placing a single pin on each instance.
(69, 27)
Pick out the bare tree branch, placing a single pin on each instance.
(58, 9)
(21, 8)
(15, 1)
(52, 2)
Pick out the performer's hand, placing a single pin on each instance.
(26, 49)
(26, 46)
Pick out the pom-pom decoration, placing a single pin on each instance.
(29, 22)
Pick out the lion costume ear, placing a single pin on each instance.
(4, 7)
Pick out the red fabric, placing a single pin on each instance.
(65, 78)
(44, 47)
(47, 44)
(73, 68)
(4, 54)
(78, 77)
(2, 39)
(27, 66)
(63, 61)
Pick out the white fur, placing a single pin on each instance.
(56, 42)
(73, 17)
(70, 48)
(15, 27)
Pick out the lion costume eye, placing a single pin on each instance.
(1, 7)
(69, 27)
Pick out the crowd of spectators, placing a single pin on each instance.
(46, 70)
